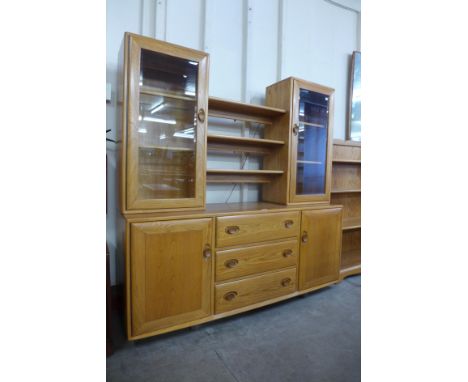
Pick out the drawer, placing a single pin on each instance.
(233, 263)
(234, 230)
(237, 294)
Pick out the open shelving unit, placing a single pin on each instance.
(346, 190)
(235, 142)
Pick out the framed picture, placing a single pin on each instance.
(353, 131)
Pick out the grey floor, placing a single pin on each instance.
(313, 338)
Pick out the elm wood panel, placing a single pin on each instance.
(351, 203)
(356, 191)
(122, 103)
(230, 313)
(252, 179)
(355, 161)
(344, 150)
(235, 230)
(346, 176)
(353, 270)
(239, 117)
(244, 172)
(239, 262)
(171, 282)
(133, 201)
(237, 294)
(293, 196)
(320, 250)
(279, 95)
(350, 258)
(243, 140)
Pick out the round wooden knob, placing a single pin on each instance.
(296, 128)
(207, 252)
(285, 282)
(305, 237)
(288, 223)
(201, 115)
(231, 263)
(287, 252)
(229, 296)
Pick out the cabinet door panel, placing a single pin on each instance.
(170, 276)
(311, 142)
(320, 251)
(167, 103)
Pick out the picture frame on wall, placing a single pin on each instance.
(353, 130)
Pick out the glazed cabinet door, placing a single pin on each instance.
(167, 102)
(320, 251)
(170, 273)
(311, 143)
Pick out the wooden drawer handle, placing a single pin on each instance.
(232, 230)
(231, 263)
(229, 296)
(288, 223)
(285, 282)
(207, 252)
(305, 237)
(287, 252)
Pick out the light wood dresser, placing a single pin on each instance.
(189, 260)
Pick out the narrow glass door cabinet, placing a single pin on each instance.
(164, 114)
(310, 122)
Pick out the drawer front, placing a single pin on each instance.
(234, 230)
(233, 263)
(237, 294)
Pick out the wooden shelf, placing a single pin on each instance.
(351, 161)
(351, 270)
(351, 258)
(240, 176)
(345, 191)
(222, 108)
(312, 124)
(244, 172)
(161, 93)
(309, 162)
(351, 223)
(243, 140)
(168, 148)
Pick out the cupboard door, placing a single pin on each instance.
(311, 142)
(166, 123)
(319, 261)
(171, 273)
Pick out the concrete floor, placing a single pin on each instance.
(315, 338)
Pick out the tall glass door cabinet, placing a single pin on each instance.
(310, 122)
(164, 113)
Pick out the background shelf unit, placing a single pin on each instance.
(346, 190)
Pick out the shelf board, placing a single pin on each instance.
(161, 93)
(169, 148)
(309, 162)
(244, 172)
(351, 223)
(243, 140)
(222, 108)
(312, 124)
(350, 258)
(352, 161)
(345, 191)
(229, 106)
(240, 176)
(351, 270)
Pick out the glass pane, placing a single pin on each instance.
(167, 126)
(312, 143)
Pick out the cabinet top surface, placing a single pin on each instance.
(224, 209)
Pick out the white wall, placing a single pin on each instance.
(252, 44)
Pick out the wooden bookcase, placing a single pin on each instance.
(189, 260)
(346, 191)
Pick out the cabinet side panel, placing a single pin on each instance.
(278, 95)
